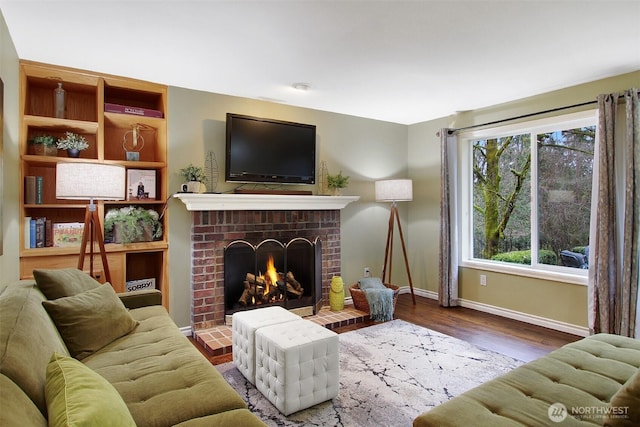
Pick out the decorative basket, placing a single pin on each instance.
(360, 299)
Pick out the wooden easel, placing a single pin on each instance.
(93, 231)
(388, 251)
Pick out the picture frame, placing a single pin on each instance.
(141, 184)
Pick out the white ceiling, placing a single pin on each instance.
(398, 61)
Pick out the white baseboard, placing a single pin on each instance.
(509, 314)
(186, 331)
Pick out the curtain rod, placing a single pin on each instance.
(523, 116)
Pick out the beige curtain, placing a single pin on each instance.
(448, 264)
(613, 271)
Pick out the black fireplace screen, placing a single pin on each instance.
(271, 273)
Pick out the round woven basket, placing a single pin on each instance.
(360, 299)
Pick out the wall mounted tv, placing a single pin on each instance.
(269, 151)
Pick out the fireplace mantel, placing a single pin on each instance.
(235, 202)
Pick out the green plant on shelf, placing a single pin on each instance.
(72, 141)
(44, 145)
(193, 173)
(337, 181)
(132, 224)
(46, 140)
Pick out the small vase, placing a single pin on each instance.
(58, 99)
(73, 152)
(336, 296)
(194, 187)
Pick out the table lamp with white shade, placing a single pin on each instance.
(394, 191)
(91, 181)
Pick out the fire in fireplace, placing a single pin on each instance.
(272, 286)
(271, 273)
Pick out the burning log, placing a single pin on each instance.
(276, 293)
(248, 295)
(252, 278)
(293, 286)
(262, 290)
(292, 290)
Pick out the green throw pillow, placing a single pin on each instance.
(625, 404)
(90, 320)
(64, 282)
(78, 396)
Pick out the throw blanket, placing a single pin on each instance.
(379, 297)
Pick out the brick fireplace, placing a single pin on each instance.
(218, 220)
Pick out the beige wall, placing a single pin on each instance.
(560, 302)
(9, 270)
(364, 149)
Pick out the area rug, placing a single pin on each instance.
(389, 374)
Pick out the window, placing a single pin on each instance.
(527, 195)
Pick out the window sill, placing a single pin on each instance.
(535, 273)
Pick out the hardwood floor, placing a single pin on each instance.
(519, 340)
(510, 337)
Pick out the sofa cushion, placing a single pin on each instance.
(626, 403)
(90, 320)
(16, 408)
(28, 337)
(156, 366)
(78, 396)
(235, 417)
(64, 282)
(583, 374)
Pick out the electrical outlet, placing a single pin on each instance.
(483, 280)
(367, 272)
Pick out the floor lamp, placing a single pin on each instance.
(92, 181)
(395, 190)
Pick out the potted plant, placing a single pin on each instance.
(132, 224)
(73, 143)
(195, 178)
(44, 145)
(337, 182)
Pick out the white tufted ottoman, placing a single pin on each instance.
(243, 329)
(297, 364)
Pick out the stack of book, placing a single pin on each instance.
(33, 190)
(43, 233)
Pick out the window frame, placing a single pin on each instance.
(465, 202)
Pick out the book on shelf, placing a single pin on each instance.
(30, 190)
(40, 230)
(141, 184)
(141, 284)
(32, 233)
(27, 232)
(127, 109)
(33, 190)
(48, 233)
(39, 190)
(67, 234)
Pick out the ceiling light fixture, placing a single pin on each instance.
(301, 86)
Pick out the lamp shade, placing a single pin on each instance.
(82, 181)
(394, 190)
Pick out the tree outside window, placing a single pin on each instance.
(532, 196)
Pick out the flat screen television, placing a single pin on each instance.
(269, 151)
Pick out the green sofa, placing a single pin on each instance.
(593, 381)
(159, 375)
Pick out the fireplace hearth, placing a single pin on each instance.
(213, 231)
(272, 272)
(219, 219)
